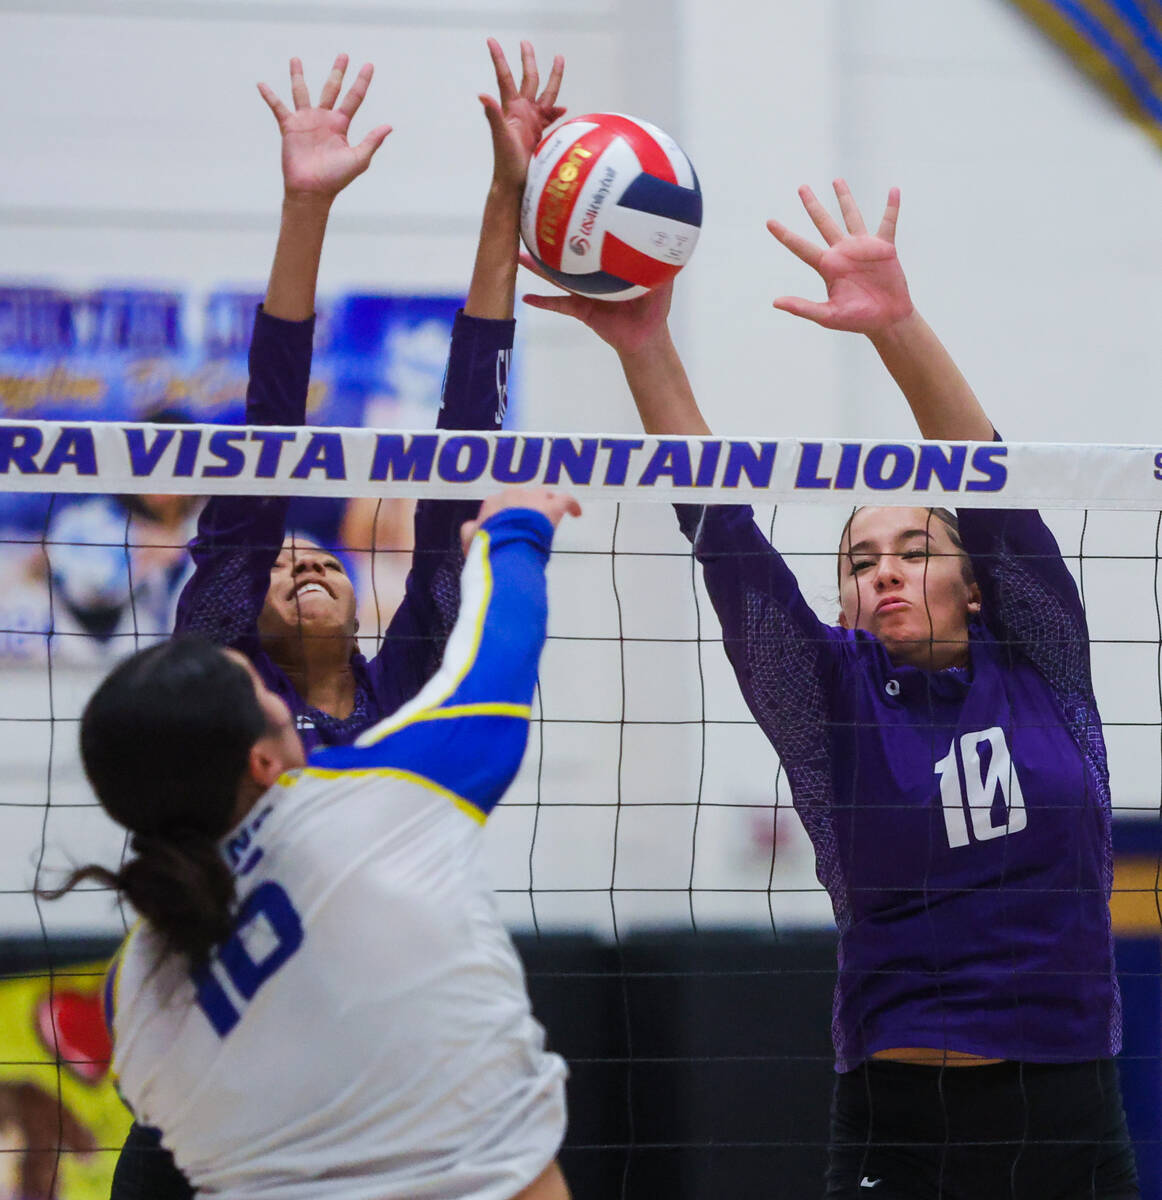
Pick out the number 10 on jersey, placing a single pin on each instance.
(976, 801)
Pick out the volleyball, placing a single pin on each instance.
(611, 206)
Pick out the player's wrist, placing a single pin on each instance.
(503, 199)
(644, 349)
(900, 331)
(312, 205)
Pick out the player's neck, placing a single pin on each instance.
(332, 692)
(320, 671)
(931, 655)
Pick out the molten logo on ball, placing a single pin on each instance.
(579, 245)
(559, 194)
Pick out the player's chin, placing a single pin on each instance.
(906, 646)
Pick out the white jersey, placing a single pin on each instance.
(366, 1032)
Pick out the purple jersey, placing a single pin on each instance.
(960, 818)
(239, 537)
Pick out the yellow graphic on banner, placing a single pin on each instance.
(61, 1121)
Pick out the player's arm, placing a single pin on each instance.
(476, 379)
(743, 572)
(238, 538)
(465, 733)
(867, 293)
(1030, 601)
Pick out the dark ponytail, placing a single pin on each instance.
(165, 742)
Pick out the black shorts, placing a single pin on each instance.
(1009, 1131)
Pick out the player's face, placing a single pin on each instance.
(309, 592)
(903, 578)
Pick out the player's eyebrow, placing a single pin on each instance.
(868, 547)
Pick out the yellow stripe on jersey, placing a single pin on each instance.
(465, 806)
(490, 709)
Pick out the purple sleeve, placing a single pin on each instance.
(475, 396)
(239, 537)
(1028, 598)
(784, 657)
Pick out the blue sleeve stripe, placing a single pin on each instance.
(467, 730)
(111, 988)
(109, 993)
(477, 591)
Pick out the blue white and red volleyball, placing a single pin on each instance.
(611, 207)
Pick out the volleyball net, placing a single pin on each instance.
(648, 799)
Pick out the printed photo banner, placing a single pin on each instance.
(128, 458)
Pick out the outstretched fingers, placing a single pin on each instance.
(797, 306)
(334, 82)
(367, 148)
(801, 247)
(276, 106)
(558, 304)
(530, 77)
(357, 91)
(852, 217)
(505, 83)
(548, 98)
(822, 219)
(887, 229)
(299, 93)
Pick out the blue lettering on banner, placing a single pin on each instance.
(877, 458)
(808, 475)
(450, 466)
(530, 459)
(619, 456)
(757, 465)
(948, 467)
(191, 439)
(18, 448)
(708, 464)
(672, 459)
(996, 474)
(143, 459)
(396, 460)
(324, 452)
(847, 474)
(75, 448)
(233, 459)
(1158, 465)
(576, 461)
(272, 442)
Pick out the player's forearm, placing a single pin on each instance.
(661, 389)
(492, 292)
(290, 294)
(941, 400)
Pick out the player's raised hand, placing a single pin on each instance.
(626, 325)
(317, 160)
(866, 288)
(520, 117)
(555, 505)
